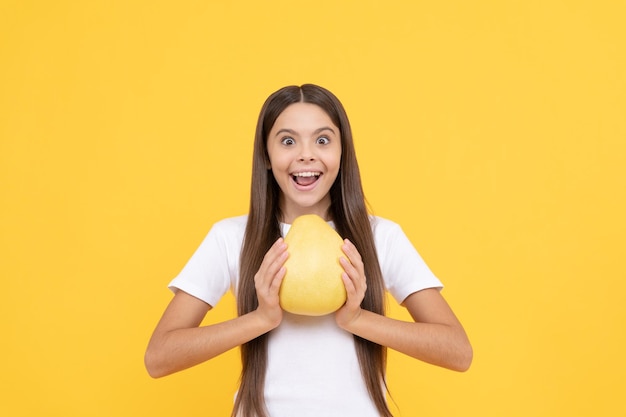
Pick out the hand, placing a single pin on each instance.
(267, 282)
(355, 282)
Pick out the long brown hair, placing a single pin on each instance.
(349, 213)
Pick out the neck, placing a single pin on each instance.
(289, 214)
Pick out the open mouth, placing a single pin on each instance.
(306, 178)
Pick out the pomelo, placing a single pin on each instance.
(312, 285)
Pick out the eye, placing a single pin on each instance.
(287, 141)
(323, 140)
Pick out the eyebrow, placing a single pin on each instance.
(293, 132)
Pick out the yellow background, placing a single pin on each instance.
(494, 132)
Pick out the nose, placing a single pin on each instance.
(306, 154)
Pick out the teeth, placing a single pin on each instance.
(306, 174)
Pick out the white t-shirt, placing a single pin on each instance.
(312, 366)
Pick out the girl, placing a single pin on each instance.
(304, 163)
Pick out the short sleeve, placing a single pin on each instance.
(404, 271)
(214, 266)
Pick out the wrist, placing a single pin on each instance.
(265, 321)
(351, 323)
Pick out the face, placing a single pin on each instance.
(304, 148)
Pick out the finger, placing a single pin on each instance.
(353, 255)
(349, 268)
(351, 251)
(348, 283)
(355, 272)
(275, 250)
(277, 281)
(354, 296)
(356, 277)
(273, 259)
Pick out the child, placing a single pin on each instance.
(304, 163)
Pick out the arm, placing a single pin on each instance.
(178, 343)
(436, 336)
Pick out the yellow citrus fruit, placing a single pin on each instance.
(312, 285)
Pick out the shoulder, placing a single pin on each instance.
(231, 224)
(389, 237)
(383, 227)
(229, 230)
(404, 270)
